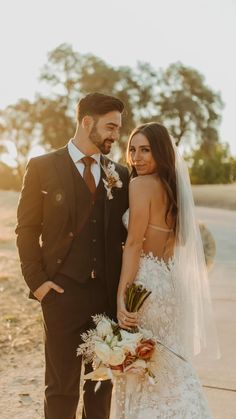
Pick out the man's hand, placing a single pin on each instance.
(41, 291)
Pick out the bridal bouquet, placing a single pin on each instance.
(112, 350)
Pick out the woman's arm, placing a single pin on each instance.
(139, 206)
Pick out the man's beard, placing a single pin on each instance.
(103, 145)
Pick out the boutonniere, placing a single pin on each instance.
(112, 179)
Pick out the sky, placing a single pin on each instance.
(199, 33)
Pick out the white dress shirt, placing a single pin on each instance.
(77, 155)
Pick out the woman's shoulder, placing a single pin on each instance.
(147, 183)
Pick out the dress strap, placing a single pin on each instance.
(166, 230)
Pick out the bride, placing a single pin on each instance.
(163, 252)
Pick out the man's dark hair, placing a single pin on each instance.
(98, 104)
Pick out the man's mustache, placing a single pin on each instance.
(111, 140)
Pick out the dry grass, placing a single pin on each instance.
(21, 343)
(17, 317)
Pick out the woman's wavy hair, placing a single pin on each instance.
(164, 156)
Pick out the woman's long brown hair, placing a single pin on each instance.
(164, 156)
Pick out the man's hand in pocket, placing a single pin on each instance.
(41, 291)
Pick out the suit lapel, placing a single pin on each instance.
(63, 165)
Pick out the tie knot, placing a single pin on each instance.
(87, 160)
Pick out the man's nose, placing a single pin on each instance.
(115, 136)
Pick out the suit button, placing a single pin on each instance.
(94, 240)
(71, 234)
(59, 260)
(93, 274)
(94, 259)
(94, 221)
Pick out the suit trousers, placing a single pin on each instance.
(65, 317)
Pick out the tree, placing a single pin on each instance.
(187, 105)
(62, 72)
(55, 125)
(18, 132)
(215, 167)
(178, 97)
(72, 75)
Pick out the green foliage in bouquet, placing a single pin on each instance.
(135, 297)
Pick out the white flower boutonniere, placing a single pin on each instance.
(112, 179)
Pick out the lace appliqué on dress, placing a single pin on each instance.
(178, 393)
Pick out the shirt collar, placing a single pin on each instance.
(77, 155)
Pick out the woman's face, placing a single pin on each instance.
(141, 156)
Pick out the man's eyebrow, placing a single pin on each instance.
(113, 124)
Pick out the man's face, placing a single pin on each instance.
(106, 130)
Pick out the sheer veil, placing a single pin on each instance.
(196, 318)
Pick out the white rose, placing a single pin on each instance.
(129, 341)
(102, 351)
(104, 328)
(117, 356)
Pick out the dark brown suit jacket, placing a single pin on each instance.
(46, 220)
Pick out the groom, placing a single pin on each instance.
(69, 237)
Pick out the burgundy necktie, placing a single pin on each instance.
(87, 175)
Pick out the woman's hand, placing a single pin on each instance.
(126, 319)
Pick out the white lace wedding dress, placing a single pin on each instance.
(178, 392)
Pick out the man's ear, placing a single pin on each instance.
(87, 122)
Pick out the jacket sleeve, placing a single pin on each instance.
(29, 228)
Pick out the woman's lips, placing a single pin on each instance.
(139, 167)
